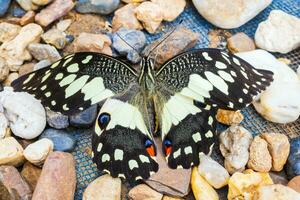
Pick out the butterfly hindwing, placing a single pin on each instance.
(77, 81)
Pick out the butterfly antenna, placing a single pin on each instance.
(166, 37)
(128, 44)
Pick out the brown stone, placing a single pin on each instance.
(12, 185)
(142, 191)
(180, 40)
(27, 18)
(295, 183)
(58, 178)
(240, 42)
(229, 117)
(31, 174)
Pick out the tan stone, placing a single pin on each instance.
(4, 69)
(240, 42)
(172, 8)
(27, 18)
(26, 68)
(142, 191)
(55, 37)
(37, 152)
(8, 31)
(276, 192)
(10, 78)
(31, 174)
(229, 117)
(171, 198)
(11, 152)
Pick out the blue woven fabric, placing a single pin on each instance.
(86, 170)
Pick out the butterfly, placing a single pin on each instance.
(178, 102)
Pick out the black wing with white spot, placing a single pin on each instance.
(77, 81)
(213, 77)
(122, 144)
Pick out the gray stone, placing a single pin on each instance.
(85, 118)
(57, 120)
(103, 7)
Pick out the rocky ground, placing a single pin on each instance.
(36, 144)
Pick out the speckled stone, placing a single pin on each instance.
(85, 118)
(103, 7)
(62, 140)
(57, 120)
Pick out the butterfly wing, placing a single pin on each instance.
(77, 81)
(192, 85)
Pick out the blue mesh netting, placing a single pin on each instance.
(86, 170)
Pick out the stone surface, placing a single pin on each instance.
(134, 38)
(201, 189)
(85, 118)
(125, 17)
(104, 187)
(293, 164)
(214, 173)
(4, 69)
(102, 7)
(279, 102)
(44, 52)
(27, 5)
(31, 174)
(259, 158)
(279, 177)
(4, 5)
(4, 129)
(12, 185)
(279, 148)
(11, 152)
(295, 184)
(171, 8)
(42, 64)
(234, 146)
(54, 11)
(62, 140)
(10, 78)
(150, 14)
(240, 42)
(230, 14)
(276, 192)
(92, 43)
(57, 120)
(142, 191)
(8, 31)
(58, 178)
(27, 18)
(26, 68)
(244, 185)
(180, 40)
(56, 38)
(17, 11)
(15, 51)
(63, 25)
(41, 2)
(229, 117)
(37, 152)
(26, 114)
(171, 198)
(279, 26)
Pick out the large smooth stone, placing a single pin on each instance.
(58, 178)
(230, 14)
(279, 33)
(11, 152)
(85, 118)
(102, 7)
(4, 5)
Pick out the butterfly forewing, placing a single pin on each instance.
(77, 81)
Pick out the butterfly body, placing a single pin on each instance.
(178, 103)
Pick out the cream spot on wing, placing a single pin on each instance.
(73, 68)
(177, 153)
(245, 91)
(53, 103)
(144, 159)
(188, 150)
(59, 76)
(118, 154)
(65, 107)
(101, 96)
(210, 120)
(244, 74)
(240, 100)
(105, 157)
(67, 80)
(196, 137)
(200, 85)
(224, 75)
(55, 64)
(209, 134)
(221, 65)
(76, 86)
(132, 164)
(43, 87)
(138, 178)
(217, 81)
(90, 89)
(206, 56)
(67, 61)
(233, 73)
(100, 145)
(236, 61)
(230, 105)
(87, 59)
(121, 176)
(48, 94)
(45, 77)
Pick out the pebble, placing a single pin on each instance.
(85, 118)
(58, 178)
(142, 191)
(279, 33)
(37, 152)
(56, 38)
(17, 11)
(4, 5)
(279, 148)
(171, 198)
(229, 117)
(27, 5)
(150, 14)
(61, 139)
(27, 18)
(293, 164)
(201, 189)
(102, 7)
(260, 159)
(125, 17)
(295, 183)
(214, 173)
(4, 69)
(276, 192)
(26, 68)
(171, 8)
(4, 127)
(31, 174)
(240, 42)
(63, 25)
(42, 64)
(44, 52)
(41, 2)
(234, 146)
(26, 115)
(11, 152)
(229, 14)
(271, 104)
(12, 185)
(10, 78)
(180, 40)
(14, 51)
(135, 38)
(92, 43)
(54, 11)
(98, 189)
(244, 185)
(8, 31)
(57, 120)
